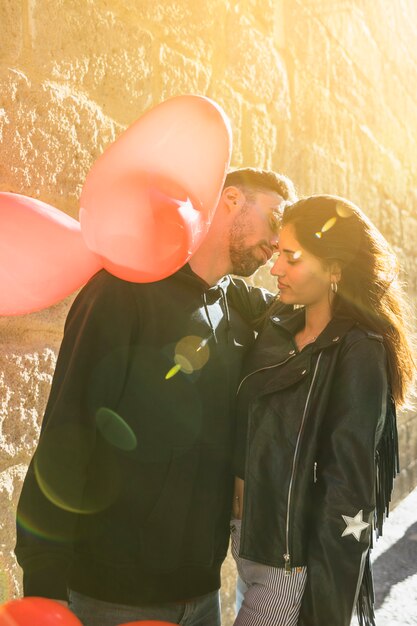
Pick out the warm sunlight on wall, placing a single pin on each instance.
(323, 90)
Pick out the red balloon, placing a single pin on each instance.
(43, 257)
(31, 611)
(149, 199)
(146, 205)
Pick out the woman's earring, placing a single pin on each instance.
(333, 286)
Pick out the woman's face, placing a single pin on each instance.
(302, 277)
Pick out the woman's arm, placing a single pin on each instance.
(344, 502)
(237, 508)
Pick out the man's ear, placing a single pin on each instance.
(233, 198)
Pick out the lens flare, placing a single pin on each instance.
(184, 364)
(44, 529)
(344, 211)
(174, 370)
(329, 224)
(115, 430)
(75, 470)
(193, 351)
(203, 343)
(191, 354)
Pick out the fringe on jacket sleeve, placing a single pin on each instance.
(387, 467)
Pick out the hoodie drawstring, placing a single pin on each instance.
(227, 314)
(213, 332)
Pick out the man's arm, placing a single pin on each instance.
(90, 372)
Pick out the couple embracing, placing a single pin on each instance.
(291, 436)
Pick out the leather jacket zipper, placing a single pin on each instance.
(287, 555)
(261, 369)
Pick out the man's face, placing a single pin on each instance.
(254, 232)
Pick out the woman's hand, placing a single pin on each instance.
(237, 507)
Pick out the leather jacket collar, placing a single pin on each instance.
(293, 321)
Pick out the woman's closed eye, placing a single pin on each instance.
(293, 258)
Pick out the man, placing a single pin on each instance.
(125, 508)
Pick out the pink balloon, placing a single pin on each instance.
(31, 611)
(149, 199)
(146, 205)
(43, 257)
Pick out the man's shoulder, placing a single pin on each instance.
(104, 280)
(104, 296)
(103, 284)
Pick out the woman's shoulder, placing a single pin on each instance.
(360, 332)
(364, 348)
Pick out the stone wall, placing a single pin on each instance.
(320, 89)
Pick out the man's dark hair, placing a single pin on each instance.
(251, 180)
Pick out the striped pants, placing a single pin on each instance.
(271, 598)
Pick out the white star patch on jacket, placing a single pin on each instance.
(354, 525)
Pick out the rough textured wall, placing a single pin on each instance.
(351, 68)
(321, 89)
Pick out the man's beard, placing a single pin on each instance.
(243, 258)
(244, 261)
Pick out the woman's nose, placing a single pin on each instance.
(276, 269)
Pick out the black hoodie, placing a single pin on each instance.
(128, 496)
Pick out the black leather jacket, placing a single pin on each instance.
(313, 427)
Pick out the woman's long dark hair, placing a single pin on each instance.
(335, 230)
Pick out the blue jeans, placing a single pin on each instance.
(201, 611)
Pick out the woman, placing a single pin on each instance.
(317, 444)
